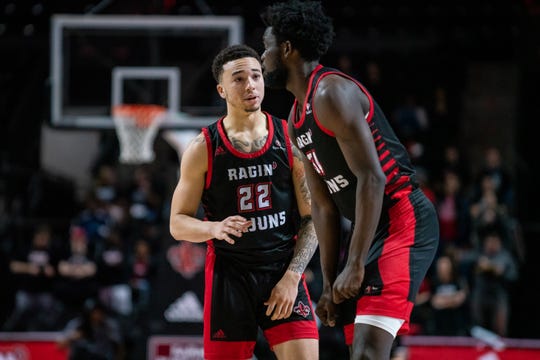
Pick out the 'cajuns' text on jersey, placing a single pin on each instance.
(321, 148)
(257, 186)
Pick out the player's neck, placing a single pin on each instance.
(247, 134)
(244, 122)
(299, 76)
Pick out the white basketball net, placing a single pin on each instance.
(136, 128)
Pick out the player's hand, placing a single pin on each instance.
(326, 309)
(233, 225)
(348, 283)
(283, 296)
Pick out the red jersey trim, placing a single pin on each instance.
(297, 123)
(293, 330)
(219, 349)
(288, 144)
(210, 157)
(208, 279)
(370, 99)
(242, 155)
(322, 127)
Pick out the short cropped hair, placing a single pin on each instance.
(231, 53)
(304, 24)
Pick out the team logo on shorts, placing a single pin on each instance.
(220, 334)
(371, 290)
(302, 310)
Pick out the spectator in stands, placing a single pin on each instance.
(111, 193)
(77, 272)
(453, 161)
(444, 128)
(500, 176)
(487, 211)
(93, 335)
(448, 300)
(411, 123)
(96, 221)
(142, 268)
(36, 308)
(411, 118)
(496, 270)
(113, 274)
(146, 197)
(452, 209)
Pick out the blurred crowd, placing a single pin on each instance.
(480, 249)
(105, 259)
(98, 267)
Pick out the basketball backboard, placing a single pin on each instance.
(100, 61)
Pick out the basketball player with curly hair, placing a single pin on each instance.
(356, 168)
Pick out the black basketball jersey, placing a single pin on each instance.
(257, 186)
(321, 148)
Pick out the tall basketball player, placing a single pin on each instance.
(357, 168)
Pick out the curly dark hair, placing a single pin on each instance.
(231, 53)
(304, 24)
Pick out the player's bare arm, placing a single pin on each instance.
(281, 301)
(341, 107)
(327, 224)
(306, 243)
(187, 196)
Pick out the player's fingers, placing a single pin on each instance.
(331, 319)
(352, 292)
(243, 226)
(234, 231)
(283, 313)
(288, 311)
(270, 308)
(321, 314)
(237, 218)
(337, 296)
(278, 313)
(238, 221)
(228, 239)
(246, 226)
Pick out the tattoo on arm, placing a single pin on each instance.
(296, 152)
(198, 139)
(306, 244)
(301, 176)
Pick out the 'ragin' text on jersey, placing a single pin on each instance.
(251, 172)
(304, 139)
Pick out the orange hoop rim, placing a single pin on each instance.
(142, 114)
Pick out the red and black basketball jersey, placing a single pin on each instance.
(257, 186)
(321, 148)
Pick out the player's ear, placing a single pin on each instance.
(286, 49)
(220, 90)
